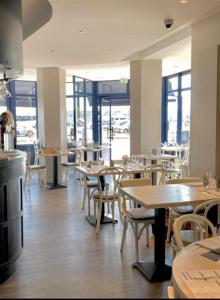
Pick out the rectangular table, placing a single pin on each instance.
(160, 198)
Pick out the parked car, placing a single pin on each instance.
(122, 127)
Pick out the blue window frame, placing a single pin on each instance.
(23, 105)
(176, 102)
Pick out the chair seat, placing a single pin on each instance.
(187, 209)
(69, 164)
(37, 167)
(104, 197)
(140, 213)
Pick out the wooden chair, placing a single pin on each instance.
(67, 165)
(157, 170)
(89, 183)
(179, 210)
(30, 169)
(136, 216)
(107, 192)
(200, 229)
(188, 236)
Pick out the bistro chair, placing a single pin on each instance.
(178, 211)
(158, 171)
(188, 236)
(136, 216)
(31, 169)
(107, 192)
(71, 165)
(89, 183)
(200, 230)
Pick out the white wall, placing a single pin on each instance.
(205, 40)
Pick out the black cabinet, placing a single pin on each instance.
(11, 214)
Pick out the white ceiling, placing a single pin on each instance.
(115, 30)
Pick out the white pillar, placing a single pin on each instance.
(145, 99)
(51, 110)
(205, 112)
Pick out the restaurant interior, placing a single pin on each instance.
(110, 150)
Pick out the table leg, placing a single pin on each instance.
(154, 174)
(55, 184)
(157, 270)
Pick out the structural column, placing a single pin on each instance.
(51, 110)
(145, 100)
(205, 99)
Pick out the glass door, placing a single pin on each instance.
(115, 127)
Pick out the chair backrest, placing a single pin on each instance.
(78, 155)
(135, 182)
(200, 227)
(206, 206)
(183, 180)
(158, 169)
(109, 180)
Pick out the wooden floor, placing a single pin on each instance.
(64, 258)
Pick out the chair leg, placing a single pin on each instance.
(125, 226)
(89, 199)
(147, 234)
(99, 217)
(113, 212)
(136, 241)
(25, 179)
(170, 221)
(29, 180)
(84, 197)
(120, 210)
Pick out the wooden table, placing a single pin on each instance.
(55, 155)
(160, 198)
(94, 172)
(190, 263)
(94, 150)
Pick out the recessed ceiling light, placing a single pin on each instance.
(134, 36)
(184, 1)
(82, 31)
(107, 53)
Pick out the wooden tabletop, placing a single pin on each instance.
(59, 153)
(197, 276)
(168, 195)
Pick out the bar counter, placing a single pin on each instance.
(12, 168)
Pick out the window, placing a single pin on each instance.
(176, 104)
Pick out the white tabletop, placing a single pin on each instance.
(168, 195)
(190, 268)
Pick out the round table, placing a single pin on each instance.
(195, 275)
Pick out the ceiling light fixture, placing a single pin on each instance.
(134, 36)
(184, 1)
(107, 53)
